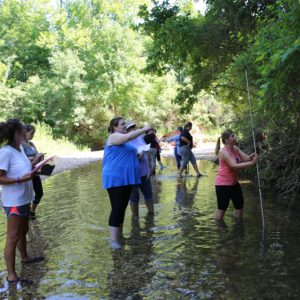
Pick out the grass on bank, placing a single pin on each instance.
(45, 142)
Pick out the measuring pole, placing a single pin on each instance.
(254, 143)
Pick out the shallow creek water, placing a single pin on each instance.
(179, 253)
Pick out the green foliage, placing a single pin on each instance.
(198, 48)
(213, 52)
(46, 143)
(76, 66)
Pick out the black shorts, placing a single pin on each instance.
(227, 192)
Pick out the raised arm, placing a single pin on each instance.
(172, 138)
(233, 164)
(218, 146)
(117, 138)
(243, 155)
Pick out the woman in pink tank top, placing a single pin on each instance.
(231, 159)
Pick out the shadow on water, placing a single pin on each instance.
(179, 253)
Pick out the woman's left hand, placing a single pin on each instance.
(40, 157)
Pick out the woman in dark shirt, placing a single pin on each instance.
(150, 138)
(185, 150)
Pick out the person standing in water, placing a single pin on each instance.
(185, 150)
(145, 186)
(176, 138)
(150, 138)
(158, 151)
(17, 193)
(231, 160)
(31, 152)
(120, 173)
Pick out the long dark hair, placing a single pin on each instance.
(114, 123)
(8, 130)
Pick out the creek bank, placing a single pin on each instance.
(76, 160)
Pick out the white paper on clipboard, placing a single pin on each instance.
(143, 148)
(41, 164)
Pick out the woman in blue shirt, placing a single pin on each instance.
(176, 138)
(120, 172)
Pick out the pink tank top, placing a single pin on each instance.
(227, 175)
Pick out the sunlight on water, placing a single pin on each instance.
(178, 254)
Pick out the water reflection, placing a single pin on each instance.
(179, 253)
(131, 263)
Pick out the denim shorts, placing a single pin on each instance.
(187, 155)
(22, 210)
(146, 189)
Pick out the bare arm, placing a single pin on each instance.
(233, 164)
(218, 146)
(117, 138)
(243, 155)
(8, 180)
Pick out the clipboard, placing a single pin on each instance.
(41, 164)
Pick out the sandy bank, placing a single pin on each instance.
(63, 163)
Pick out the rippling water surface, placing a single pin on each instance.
(179, 253)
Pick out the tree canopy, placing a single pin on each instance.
(212, 52)
(76, 65)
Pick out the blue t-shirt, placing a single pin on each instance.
(120, 166)
(175, 138)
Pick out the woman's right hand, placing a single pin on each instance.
(254, 160)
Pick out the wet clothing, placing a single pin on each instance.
(16, 164)
(225, 193)
(226, 175)
(120, 166)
